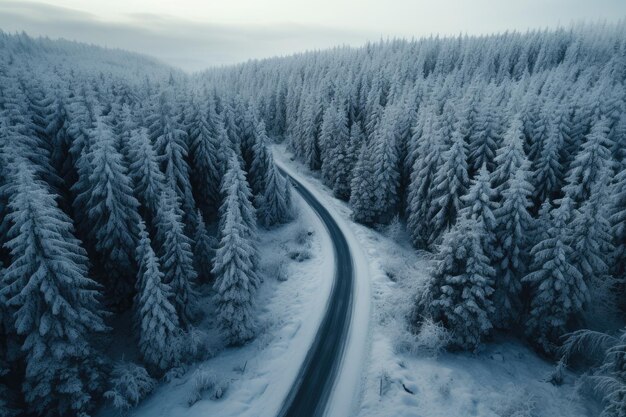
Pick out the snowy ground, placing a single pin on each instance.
(506, 379)
(260, 374)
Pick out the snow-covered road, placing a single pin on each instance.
(329, 382)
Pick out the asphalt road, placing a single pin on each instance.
(310, 393)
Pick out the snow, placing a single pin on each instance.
(260, 374)
(505, 379)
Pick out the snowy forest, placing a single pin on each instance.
(504, 155)
(131, 191)
(126, 195)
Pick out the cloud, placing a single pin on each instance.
(182, 43)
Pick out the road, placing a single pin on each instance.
(310, 393)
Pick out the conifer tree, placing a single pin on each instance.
(479, 204)
(56, 305)
(205, 173)
(386, 180)
(592, 159)
(618, 225)
(558, 289)
(510, 157)
(261, 155)
(176, 257)
(157, 318)
(590, 237)
(460, 292)
(333, 135)
(513, 225)
(234, 270)
(203, 251)
(547, 173)
(362, 186)
(347, 155)
(273, 208)
(147, 178)
(420, 193)
(450, 184)
(171, 146)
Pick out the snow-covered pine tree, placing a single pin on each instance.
(386, 179)
(590, 238)
(334, 135)
(157, 320)
(449, 185)
(56, 305)
(234, 270)
(479, 204)
(259, 166)
(203, 251)
(558, 290)
(592, 159)
(362, 186)
(461, 287)
(171, 146)
(618, 225)
(547, 175)
(175, 253)
(510, 156)
(348, 153)
(147, 178)
(485, 135)
(205, 172)
(420, 191)
(514, 225)
(273, 208)
(112, 213)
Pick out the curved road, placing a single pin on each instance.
(309, 395)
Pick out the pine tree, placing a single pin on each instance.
(618, 225)
(171, 146)
(558, 289)
(261, 155)
(176, 257)
(56, 305)
(510, 157)
(205, 173)
(513, 225)
(592, 159)
(234, 269)
(590, 238)
(273, 208)
(386, 180)
(362, 186)
(147, 178)
(347, 155)
(479, 204)
(485, 135)
(203, 251)
(157, 318)
(449, 185)
(112, 212)
(421, 196)
(460, 292)
(547, 176)
(334, 134)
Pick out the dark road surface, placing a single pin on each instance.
(310, 393)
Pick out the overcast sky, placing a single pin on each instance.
(196, 34)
